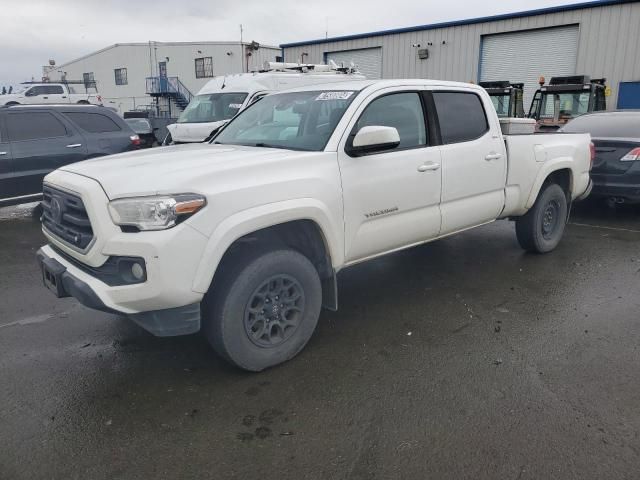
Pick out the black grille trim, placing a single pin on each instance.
(65, 217)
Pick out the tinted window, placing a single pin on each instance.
(52, 89)
(461, 116)
(93, 122)
(402, 111)
(34, 91)
(33, 125)
(625, 125)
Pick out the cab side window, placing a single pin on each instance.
(53, 89)
(461, 116)
(33, 125)
(402, 111)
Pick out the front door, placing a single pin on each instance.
(474, 163)
(391, 198)
(40, 143)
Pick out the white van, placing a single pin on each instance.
(223, 97)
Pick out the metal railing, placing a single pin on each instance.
(169, 86)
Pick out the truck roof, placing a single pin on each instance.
(252, 82)
(378, 84)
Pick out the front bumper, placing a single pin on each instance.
(64, 282)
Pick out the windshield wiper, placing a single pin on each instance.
(268, 145)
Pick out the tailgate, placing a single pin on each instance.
(608, 155)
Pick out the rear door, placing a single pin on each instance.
(474, 163)
(41, 141)
(55, 94)
(105, 134)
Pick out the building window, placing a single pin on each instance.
(121, 76)
(204, 67)
(88, 80)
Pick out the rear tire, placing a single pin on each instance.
(541, 228)
(263, 307)
(83, 102)
(8, 104)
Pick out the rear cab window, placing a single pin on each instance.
(461, 116)
(93, 122)
(33, 125)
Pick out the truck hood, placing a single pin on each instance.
(178, 168)
(193, 132)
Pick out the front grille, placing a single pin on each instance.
(65, 217)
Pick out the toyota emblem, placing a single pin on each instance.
(56, 209)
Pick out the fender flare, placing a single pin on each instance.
(560, 163)
(254, 219)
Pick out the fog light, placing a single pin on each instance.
(137, 271)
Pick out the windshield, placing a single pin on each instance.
(295, 121)
(501, 104)
(212, 107)
(568, 104)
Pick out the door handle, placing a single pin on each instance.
(493, 156)
(74, 145)
(64, 96)
(3, 153)
(46, 98)
(427, 167)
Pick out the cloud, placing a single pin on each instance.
(38, 30)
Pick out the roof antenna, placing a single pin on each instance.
(224, 82)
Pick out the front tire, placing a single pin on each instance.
(263, 307)
(541, 228)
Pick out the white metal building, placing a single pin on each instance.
(122, 71)
(599, 38)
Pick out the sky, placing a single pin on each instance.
(34, 31)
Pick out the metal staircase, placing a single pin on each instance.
(170, 88)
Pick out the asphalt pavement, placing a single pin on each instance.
(462, 359)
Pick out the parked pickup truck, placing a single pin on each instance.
(40, 93)
(243, 237)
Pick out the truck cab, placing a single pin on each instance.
(506, 97)
(565, 98)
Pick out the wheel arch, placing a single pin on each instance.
(307, 230)
(559, 172)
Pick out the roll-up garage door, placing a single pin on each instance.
(368, 60)
(524, 56)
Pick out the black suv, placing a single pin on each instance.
(37, 139)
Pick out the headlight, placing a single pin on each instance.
(155, 213)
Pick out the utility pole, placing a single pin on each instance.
(241, 51)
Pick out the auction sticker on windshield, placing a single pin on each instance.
(334, 96)
(235, 105)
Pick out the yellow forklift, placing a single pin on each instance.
(565, 98)
(506, 97)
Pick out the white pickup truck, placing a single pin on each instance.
(42, 93)
(243, 237)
